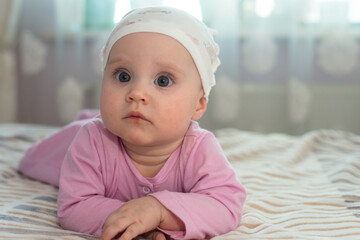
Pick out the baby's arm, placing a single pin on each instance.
(213, 199)
(83, 205)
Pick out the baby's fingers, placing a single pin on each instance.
(155, 235)
(131, 232)
(121, 231)
(114, 230)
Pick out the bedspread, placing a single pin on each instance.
(303, 187)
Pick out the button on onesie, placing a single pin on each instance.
(146, 189)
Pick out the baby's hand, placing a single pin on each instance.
(135, 217)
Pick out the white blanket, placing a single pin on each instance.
(304, 187)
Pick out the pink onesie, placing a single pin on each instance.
(97, 176)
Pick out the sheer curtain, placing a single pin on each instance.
(287, 65)
(8, 80)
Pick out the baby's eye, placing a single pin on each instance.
(122, 77)
(163, 81)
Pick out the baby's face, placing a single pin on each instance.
(151, 90)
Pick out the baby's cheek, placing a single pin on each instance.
(178, 118)
(172, 117)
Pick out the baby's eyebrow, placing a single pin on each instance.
(170, 65)
(167, 65)
(116, 60)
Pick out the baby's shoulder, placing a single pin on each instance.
(197, 133)
(200, 147)
(197, 137)
(96, 129)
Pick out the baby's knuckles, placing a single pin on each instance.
(143, 215)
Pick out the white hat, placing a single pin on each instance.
(186, 29)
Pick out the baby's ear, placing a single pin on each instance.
(200, 109)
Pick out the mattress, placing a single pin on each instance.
(299, 187)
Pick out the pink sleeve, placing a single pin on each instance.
(43, 160)
(83, 206)
(213, 199)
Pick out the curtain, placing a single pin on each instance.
(59, 55)
(287, 65)
(8, 80)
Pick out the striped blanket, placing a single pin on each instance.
(305, 187)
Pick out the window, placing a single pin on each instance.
(123, 6)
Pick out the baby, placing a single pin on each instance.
(144, 166)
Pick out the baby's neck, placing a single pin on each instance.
(150, 160)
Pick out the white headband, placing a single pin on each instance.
(186, 29)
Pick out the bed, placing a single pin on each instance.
(303, 187)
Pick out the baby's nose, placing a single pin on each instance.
(138, 93)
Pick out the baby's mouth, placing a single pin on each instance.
(136, 116)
